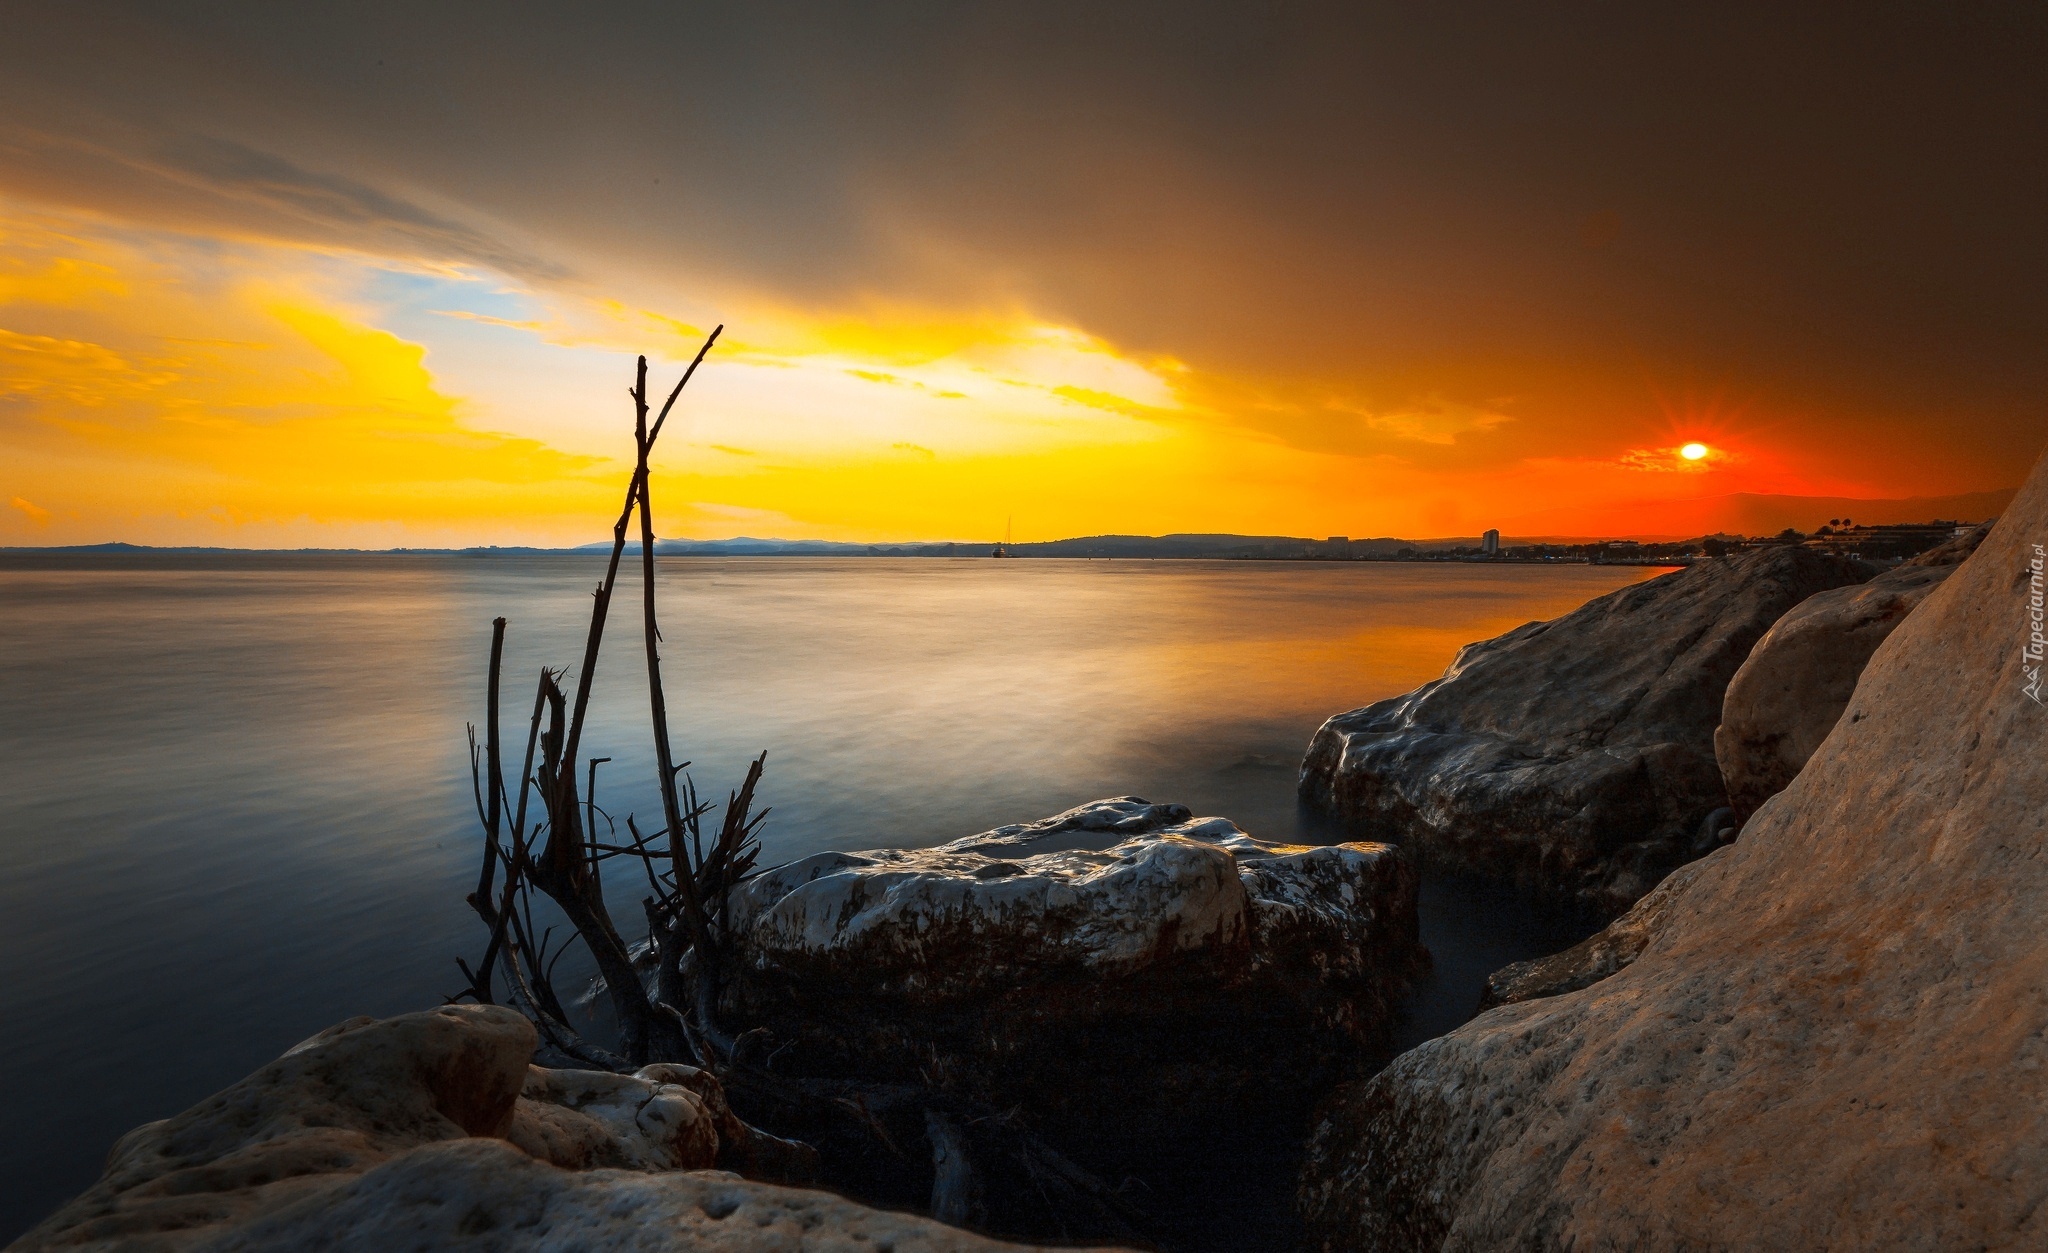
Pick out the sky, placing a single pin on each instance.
(375, 275)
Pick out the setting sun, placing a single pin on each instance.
(1693, 452)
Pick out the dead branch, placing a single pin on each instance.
(867, 1127)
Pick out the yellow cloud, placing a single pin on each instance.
(48, 370)
(273, 405)
(64, 282)
(1436, 421)
(1105, 400)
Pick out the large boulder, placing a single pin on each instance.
(1122, 955)
(433, 1131)
(1574, 756)
(1789, 694)
(1837, 1036)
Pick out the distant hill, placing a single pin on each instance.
(1745, 513)
(1733, 515)
(1083, 546)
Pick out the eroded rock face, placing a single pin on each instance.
(486, 1195)
(1574, 756)
(1121, 952)
(579, 1119)
(431, 1130)
(1790, 692)
(1597, 956)
(1838, 1036)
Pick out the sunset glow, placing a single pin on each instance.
(310, 328)
(1206, 578)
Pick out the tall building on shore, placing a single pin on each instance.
(1489, 543)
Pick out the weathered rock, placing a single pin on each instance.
(1574, 756)
(1789, 694)
(486, 1195)
(1838, 1036)
(401, 1134)
(1595, 957)
(1117, 956)
(579, 1119)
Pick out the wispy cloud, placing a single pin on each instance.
(255, 187)
(1433, 420)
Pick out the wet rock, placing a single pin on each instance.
(431, 1130)
(1574, 756)
(1837, 1036)
(1119, 956)
(1791, 691)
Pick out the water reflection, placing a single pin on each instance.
(237, 807)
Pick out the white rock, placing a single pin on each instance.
(1120, 955)
(1053, 891)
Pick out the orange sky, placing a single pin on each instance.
(303, 277)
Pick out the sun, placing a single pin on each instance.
(1693, 452)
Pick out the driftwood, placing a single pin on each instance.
(888, 1143)
(567, 866)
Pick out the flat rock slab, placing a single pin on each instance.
(1574, 756)
(1122, 955)
(1836, 1036)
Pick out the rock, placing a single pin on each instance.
(431, 1130)
(1837, 1036)
(1574, 756)
(1118, 956)
(579, 1119)
(1787, 697)
(1597, 956)
(486, 1195)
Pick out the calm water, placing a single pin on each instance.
(236, 806)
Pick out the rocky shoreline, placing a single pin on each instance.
(1574, 757)
(1801, 791)
(434, 1131)
(1825, 1035)
(1137, 987)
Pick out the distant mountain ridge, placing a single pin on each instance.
(1745, 513)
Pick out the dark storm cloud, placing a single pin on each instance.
(1836, 207)
(238, 171)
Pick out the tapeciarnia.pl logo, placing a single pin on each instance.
(2037, 644)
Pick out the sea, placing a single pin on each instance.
(235, 799)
